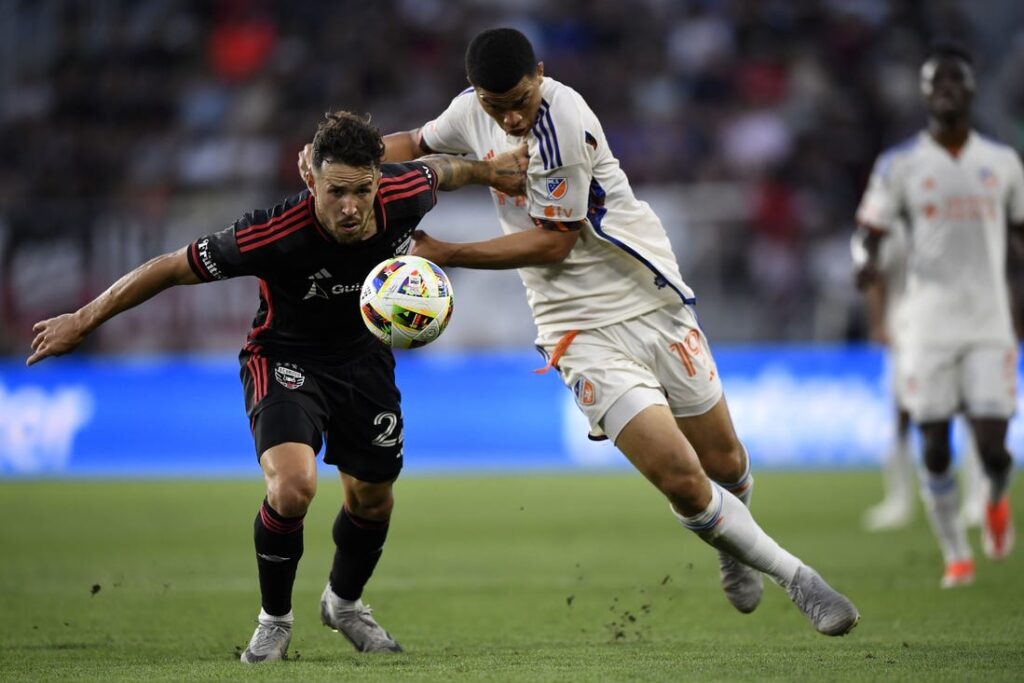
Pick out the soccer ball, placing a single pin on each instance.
(406, 301)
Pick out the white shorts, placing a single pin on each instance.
(980, 381)
(663, 355)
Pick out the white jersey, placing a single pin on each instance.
(622, 264)
(956, 208)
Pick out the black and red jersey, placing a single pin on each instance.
(309, 283)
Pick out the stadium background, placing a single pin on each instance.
(129, 128)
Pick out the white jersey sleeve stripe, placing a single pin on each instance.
(544, 129)
(543, 143)
(554, 135)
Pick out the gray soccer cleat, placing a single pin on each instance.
(743, 585)
(827, 609)
(268, 644)
(355, 623)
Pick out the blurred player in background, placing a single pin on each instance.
(883, 298)
(310, 369)
(614, 317)
(957, 191)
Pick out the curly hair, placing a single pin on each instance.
(347, 138)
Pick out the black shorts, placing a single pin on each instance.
(356, 406)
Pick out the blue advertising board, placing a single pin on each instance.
(794, 407)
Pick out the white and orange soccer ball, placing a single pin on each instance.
(406, 301)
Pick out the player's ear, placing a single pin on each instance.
(540, 70)
(310, 184)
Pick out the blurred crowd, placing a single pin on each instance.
(129, 127)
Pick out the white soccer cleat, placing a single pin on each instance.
(828, 610)
(355, 623)
(887, 516)
(743, 585)
(269, 643)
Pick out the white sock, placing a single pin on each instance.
(942, 501)
(727, 525)
(284, 619)
(898, 474)
(973, 479)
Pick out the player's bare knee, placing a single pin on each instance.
(994, 455)
(726, 463)
(935, 446)
(936, 455)
(378, 511)
(291, 497)
(370, 501)
(688, 491)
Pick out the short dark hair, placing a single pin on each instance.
(347, 138)
(498, 58)
(948, 48)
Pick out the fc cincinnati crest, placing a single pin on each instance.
(557, 187)
(289, 375)
(988, 178)
(585, 392)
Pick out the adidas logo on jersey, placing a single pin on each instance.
(314, 288)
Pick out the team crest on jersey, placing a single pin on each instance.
(988, 178)
(289, 375)
(557, 187)
(585, 392)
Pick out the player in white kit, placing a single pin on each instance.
(958, 191)
(883, 298)
(613, 314)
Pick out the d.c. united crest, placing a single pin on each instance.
(289, 375)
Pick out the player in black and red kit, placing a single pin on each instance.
(310, 368)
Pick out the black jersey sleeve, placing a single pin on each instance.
(408, 189)
(216, 256)
(235, 250)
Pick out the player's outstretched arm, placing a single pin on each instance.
(505, 172)
(405, 145)
(60, 335)
(537, 247)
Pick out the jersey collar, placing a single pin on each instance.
(956, 154)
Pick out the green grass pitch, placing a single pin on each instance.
(504, 578)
